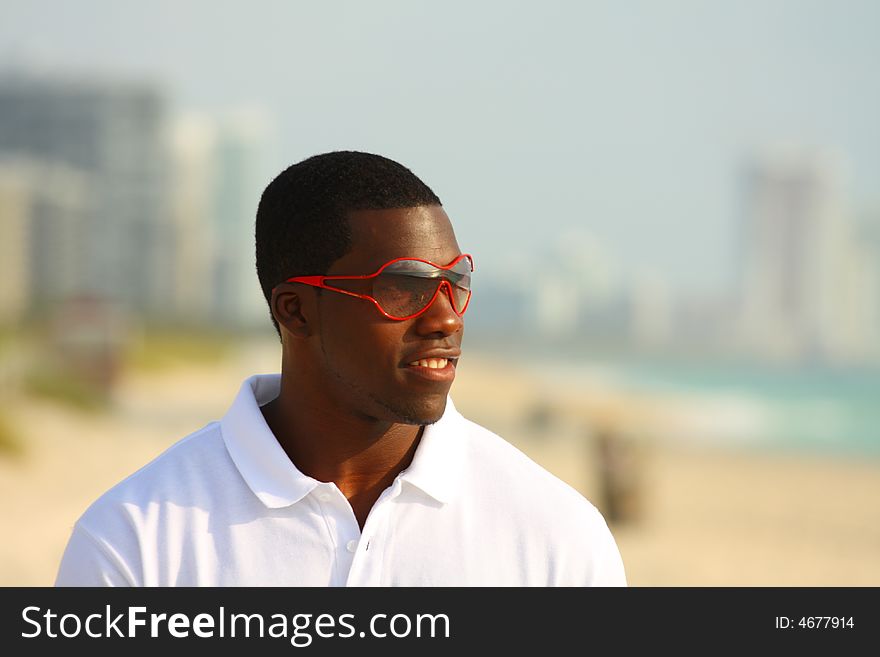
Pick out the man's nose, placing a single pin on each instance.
(440, 317)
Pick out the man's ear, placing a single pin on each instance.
(292, 311)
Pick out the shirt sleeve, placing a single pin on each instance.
(601, 563)
(88, 561)
(608, 569)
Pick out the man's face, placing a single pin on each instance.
(366, 358)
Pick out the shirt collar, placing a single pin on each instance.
(277, 482)
(437, 464)
(257, 454)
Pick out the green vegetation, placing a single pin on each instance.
(65, 388)
(81, 374)
(10, 441)
(162, 350)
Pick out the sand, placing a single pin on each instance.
(695, 516)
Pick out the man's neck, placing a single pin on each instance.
(361, 456)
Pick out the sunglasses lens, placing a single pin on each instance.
(406, 287)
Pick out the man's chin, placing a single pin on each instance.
(423, 412)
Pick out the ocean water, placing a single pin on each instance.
(804, 408)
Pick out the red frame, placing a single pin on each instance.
(318, 281)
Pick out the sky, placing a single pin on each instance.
(533, 121)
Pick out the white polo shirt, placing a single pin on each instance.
(226, 507)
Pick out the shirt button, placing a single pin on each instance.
(324, 496)
(351, 546)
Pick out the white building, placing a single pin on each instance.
(219, 176)
(652, 310)
(192, 148)
(44, 209)
(114, 134)
(240, 177)
(801, 295)
(575, 288)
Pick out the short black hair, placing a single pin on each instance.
(302, 220)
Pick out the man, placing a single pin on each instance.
(352, 467)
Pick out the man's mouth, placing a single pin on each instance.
(433, 363)
(440, 370)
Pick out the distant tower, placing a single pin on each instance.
(652, 312)
(43, 212)
(219, 176)
(113, 134)
(796, 247)
(192, 154)
(15, 208)
(239, 179)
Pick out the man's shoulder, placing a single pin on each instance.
(498, 463)
(548, 516)
(172, 475)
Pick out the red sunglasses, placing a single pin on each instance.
(404, 288)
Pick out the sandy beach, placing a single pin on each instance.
(697, 516)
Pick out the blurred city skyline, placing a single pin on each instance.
(628, 119)
(619, 141)
(673, 207)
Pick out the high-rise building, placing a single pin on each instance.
(239, 179)
(114, 135)
(192, 147)
(218, 165)
(652, 312)
(577, 289)
(801, 262)
(43, 209)
(14, 247)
